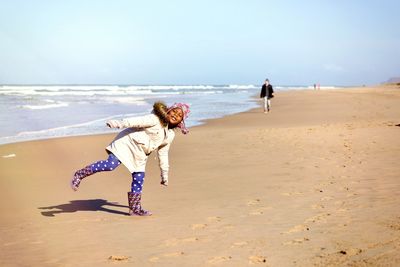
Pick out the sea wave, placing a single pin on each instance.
(125, 100)
(71, 92)
(50, 104)
(236, 86)
(173, 87)
(93, 90)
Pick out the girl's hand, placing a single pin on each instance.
(164, 182)
(114, 124)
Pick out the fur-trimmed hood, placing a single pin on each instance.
(160, 110)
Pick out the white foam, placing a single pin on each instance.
(174, 87)
(73, 93)
(73, 90)
(125, 100)
(54, 104)
(60, 87)
(236, 86)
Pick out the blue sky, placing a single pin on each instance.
(199, 42)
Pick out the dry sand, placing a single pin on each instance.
(315, 182)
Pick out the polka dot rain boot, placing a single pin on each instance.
(135, 208)
(79, 175)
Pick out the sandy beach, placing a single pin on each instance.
(315, 182)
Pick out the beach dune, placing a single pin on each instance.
(315, 182)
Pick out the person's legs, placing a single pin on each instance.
(265, 104)
(137, 182)
(103, 165)
(135, 196)
(268, 104)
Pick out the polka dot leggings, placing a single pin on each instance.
(106, 165)
(111, 164)
(137, 182)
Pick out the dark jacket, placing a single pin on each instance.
(264, 92)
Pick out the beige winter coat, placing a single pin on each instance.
(143, 135)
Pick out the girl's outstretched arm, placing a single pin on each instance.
(164, 163)
(136, 122)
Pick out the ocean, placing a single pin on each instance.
(32, 112)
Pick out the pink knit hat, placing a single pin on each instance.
(185, 109)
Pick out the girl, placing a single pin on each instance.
(133, 145)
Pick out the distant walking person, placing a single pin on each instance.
(267, 93)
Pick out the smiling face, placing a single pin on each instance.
(175, 116)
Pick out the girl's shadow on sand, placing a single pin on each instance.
(82, 205)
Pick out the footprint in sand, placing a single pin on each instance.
(288, 194)
(339, 202)
(154, 259)
(256, 212)
(118, 258)
(297, 228)
(239, 244)
(198, 226)
(253, 202)
(177, 241)
(173, 254)
(296, 241)
(259, 211)
(342, 210)
(318, 218)
(227, 227)
(257, 259)
(214, 219)
(166, 255)
(394, 225)
(219, 259)
(317, 207)
(350, 252)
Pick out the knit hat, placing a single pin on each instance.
(185, 109)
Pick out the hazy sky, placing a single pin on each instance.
(341, 42)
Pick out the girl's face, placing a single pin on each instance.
(175, 116)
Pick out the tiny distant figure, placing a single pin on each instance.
(267, 93)
(318, 86)
(315, 86)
